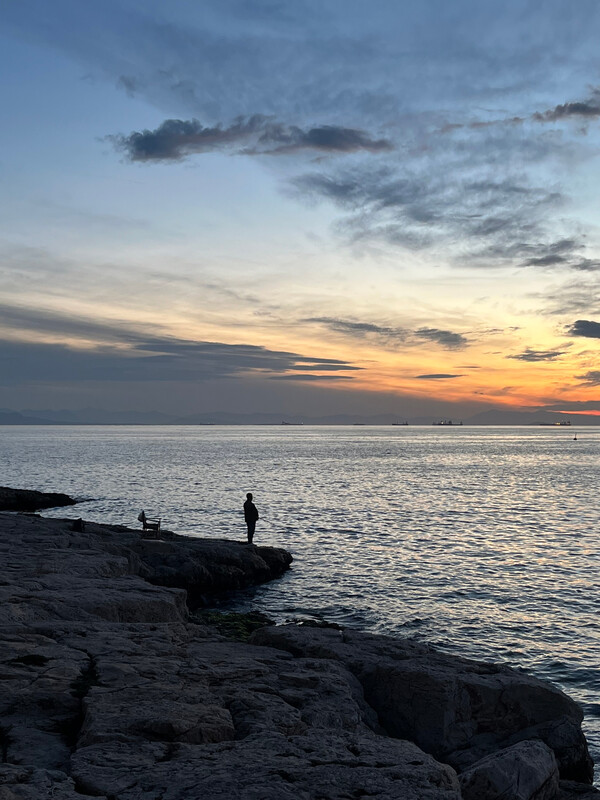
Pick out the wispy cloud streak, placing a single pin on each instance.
(102, 350)
(538, 355)
(388, 335)
(437, 376)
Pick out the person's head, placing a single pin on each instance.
(249, 496)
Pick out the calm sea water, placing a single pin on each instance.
(483, 541)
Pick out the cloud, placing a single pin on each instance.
(216, 69)
(437, 377)
(585, 327)
(422, 208)
(591, 378)
(586, 265)
(324, 367)
(389, 335)
(538, 355)
(99, 350)
(574, 297)
(175, 139)
(452, 341)
(586, 109)
(545, 261)
(579, 406)
(579, 110)
(563, 252)
(171, 360)
(311, 378)
(131, 86)
(362, 329)
(20, 318)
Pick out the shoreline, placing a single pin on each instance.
(112, 689)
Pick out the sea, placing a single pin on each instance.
(482, 541)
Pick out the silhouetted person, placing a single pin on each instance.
(250, 515)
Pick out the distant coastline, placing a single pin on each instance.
(491, 417)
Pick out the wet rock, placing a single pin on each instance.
(456, 709)
(571, 790)
(205, 567)
(31, 783)
(54, 572)
(565, 738)
(525, 771)
(29, 500)
(270, 767)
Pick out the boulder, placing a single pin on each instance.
(454, 708)
(525, 771)
(562, 734)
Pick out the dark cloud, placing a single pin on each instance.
(311, 378)
(437, 376)
(545, 261)
(324, 367)
(131, 86)
(152, 362)
(362, 329)
(591, 378)
(177, 139)
(563, 252)
(582, 110)
(390, 335)
(20, 318)
(117, 352)
(538, 355)
(452, 341)
(577, 405)
(586, 265)
(585, 327)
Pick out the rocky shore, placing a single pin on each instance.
(112, 687)
(30, 500)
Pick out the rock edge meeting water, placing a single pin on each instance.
(483, 541)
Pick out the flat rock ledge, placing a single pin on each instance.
(109, 690)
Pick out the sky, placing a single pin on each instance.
(305, 207)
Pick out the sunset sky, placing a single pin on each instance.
(360, 206)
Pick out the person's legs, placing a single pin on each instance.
(251, 527)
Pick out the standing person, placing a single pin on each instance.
(250, 515)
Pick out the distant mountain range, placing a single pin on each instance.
(91, 416)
